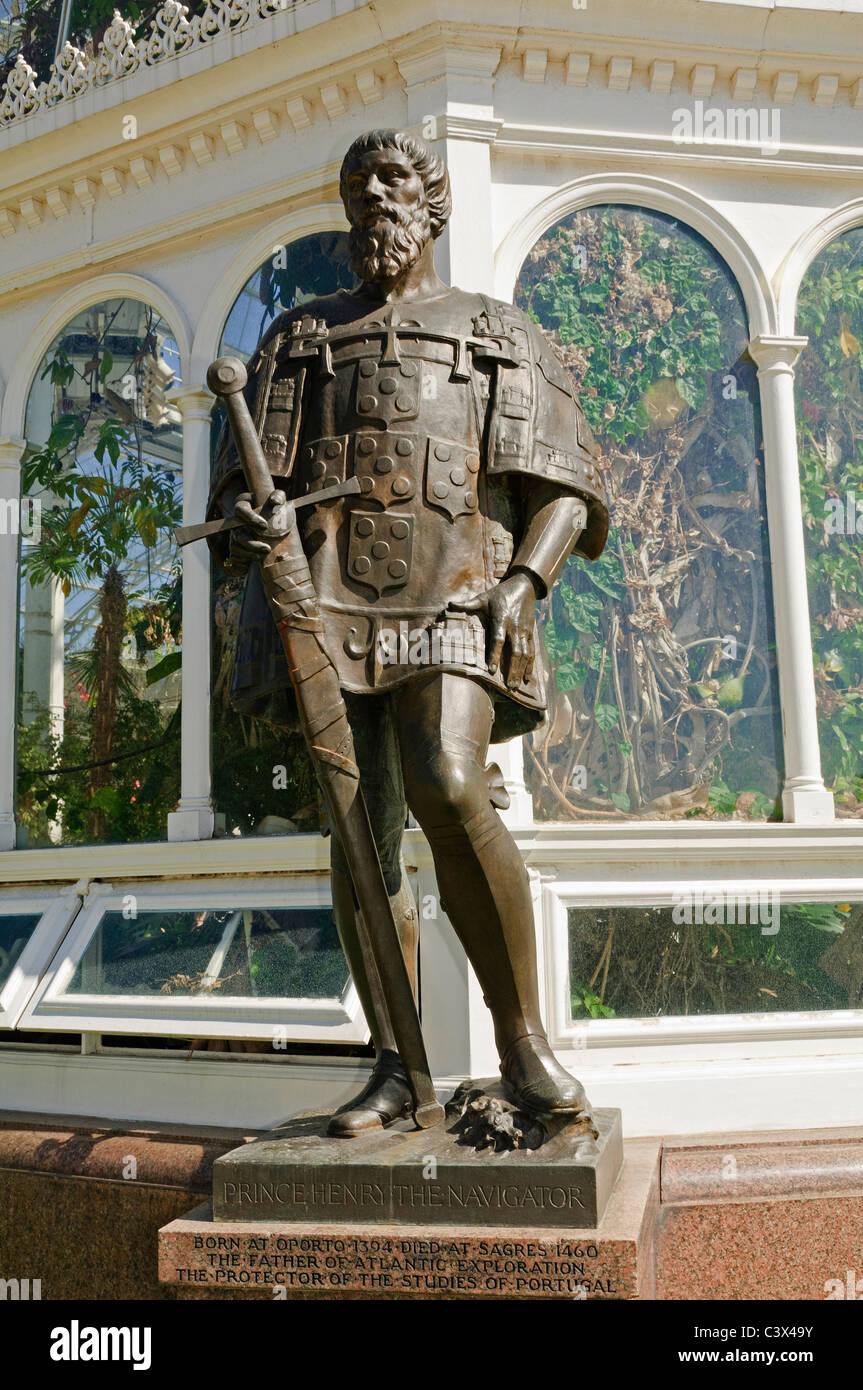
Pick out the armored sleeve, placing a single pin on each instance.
(539, 429)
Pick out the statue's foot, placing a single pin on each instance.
(385, 1097)
(537, 1081)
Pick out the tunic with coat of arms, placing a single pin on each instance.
(446, 410)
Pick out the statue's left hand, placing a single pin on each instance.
(510, 608)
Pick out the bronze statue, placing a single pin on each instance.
(464, 476)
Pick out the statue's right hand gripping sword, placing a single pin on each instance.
(323, 715)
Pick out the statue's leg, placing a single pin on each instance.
(444, 723)
(387, 1095)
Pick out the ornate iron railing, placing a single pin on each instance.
(122, 52)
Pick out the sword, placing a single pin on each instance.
(185, 534)
(323, 715)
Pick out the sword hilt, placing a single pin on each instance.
(186, 534)
(226, 378)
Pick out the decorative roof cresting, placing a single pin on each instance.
(121, 52)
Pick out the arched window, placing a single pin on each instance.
(263, 781)
(829, 394)
(99, 647)
(660, 656)
(293, 273)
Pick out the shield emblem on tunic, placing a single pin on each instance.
(386, 464)
(451, 477)
(388, 394)
(323, 462)
(379, 549)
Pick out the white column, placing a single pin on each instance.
(194, 818)
(466, 258)
(451, 99)
(42, 674)
(465, 254)
(11, 450)
(804, 797)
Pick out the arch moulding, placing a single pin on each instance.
(324, 217)
(89, 292)
(790, 275)
(658, 195)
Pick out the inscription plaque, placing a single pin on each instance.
(299, 1174)
(401, 1262)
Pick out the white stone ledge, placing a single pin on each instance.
(679, 846)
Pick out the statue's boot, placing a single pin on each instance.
(385, 1097)
(537, 1081)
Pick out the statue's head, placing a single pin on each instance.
(396, 193)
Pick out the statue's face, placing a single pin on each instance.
(386, 204)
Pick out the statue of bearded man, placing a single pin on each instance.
(478, 479)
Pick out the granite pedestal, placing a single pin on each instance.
(411, 1213)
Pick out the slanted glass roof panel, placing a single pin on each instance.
(258, 953)
(33, 924)
(218, 959)
(16, 928)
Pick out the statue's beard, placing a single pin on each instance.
(385, 248)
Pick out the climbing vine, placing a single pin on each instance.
(829, 390)
(659, 657)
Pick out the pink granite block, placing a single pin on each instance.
(735, 1172)
(799, 1248)
(163, 1159)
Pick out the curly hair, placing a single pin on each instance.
(427, 163)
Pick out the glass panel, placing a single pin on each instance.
(100, 600)
(660, 656)
(723, 953)
(293, 274)
(262, 779)
(259, 953)
(29, 28)
(15, 931)
(829, 392)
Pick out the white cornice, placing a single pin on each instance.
(276, 75)
(631, 150)
(815, 160)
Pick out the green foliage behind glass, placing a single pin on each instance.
(829, 393)
(659, 656)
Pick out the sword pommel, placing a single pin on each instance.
(226, 375)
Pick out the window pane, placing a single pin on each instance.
(293, 274)
(100, 599)
(15, 931)
(829, 390)
(723, 953)
(259, 953)
(263, 781)
(659, 656)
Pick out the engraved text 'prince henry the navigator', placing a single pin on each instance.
(477, 479)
